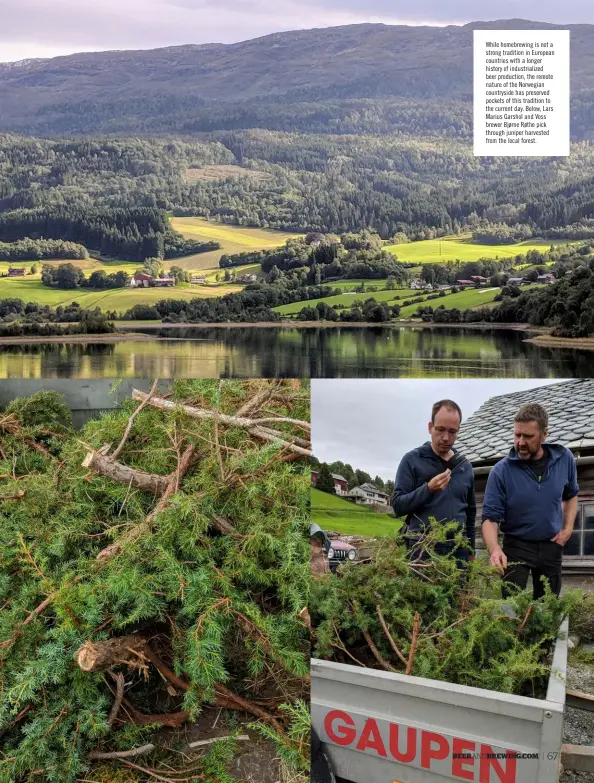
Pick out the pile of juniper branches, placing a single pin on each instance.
(427, 618)
(151, 565)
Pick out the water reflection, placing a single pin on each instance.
(318, 352)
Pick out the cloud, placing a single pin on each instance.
(371, 424)
(37, 28)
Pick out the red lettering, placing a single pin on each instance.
(411, 744)
(343, 735)
(371, 738)
(462, 746)
(433, 746)
(507, 775)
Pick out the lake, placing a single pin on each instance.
(342, 352)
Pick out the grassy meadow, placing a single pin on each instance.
(233, 239)
(473, 297)
(334, 513)
(462, 248)
(119, 299)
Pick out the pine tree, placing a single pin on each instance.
(325, 481)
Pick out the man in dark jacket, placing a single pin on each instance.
(435, 481)
(532, 496)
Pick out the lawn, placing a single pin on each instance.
(452, 248)
(120, 299)
(333, 513)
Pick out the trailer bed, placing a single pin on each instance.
(381, 727)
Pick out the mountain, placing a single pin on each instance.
(134, 91)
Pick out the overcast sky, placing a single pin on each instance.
(371, 424)
(48, 28)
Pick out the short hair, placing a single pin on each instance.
(532, 411)
(449, 404)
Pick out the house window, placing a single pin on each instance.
(581, 543)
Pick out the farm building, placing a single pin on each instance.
(549, 277)
(487, 437)
(341, 486)
(515, 281)
(141, 280)
(465, 283)
(199, 279)
(16, 271)
(479, 280)
(369, 495)
(144, 280)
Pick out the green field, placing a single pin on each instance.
(347, 299)
(474, 297)
(233, 239)
(461, 248)
(120, 299)
(88, 265)
(334, 513)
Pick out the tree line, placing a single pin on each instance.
(37, 249)
(127, 234)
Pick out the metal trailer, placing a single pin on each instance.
(380, 727)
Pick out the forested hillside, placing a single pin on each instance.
(357, 78)
(104, 193)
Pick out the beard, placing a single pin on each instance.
(528, 453)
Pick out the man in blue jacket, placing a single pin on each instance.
(436, 482)
(531, 496)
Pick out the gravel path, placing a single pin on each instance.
(579, 725)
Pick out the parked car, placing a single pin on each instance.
(337, 551)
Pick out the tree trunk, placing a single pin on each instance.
(97, 656)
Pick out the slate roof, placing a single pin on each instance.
(488, 434)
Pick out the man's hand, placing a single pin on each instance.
(562, 537)
(439, 483)
(498, 560)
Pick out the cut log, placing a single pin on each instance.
(148, 482)
(98, 656)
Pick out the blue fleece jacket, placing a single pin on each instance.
(412, 497)
(522, 505)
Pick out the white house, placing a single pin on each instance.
(420, 285)
(369, 495)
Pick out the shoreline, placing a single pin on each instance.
(338, 324)
(540, 335)
(113, 337)
(547, 341)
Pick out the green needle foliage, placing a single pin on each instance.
(468, 634)
(217, 608)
